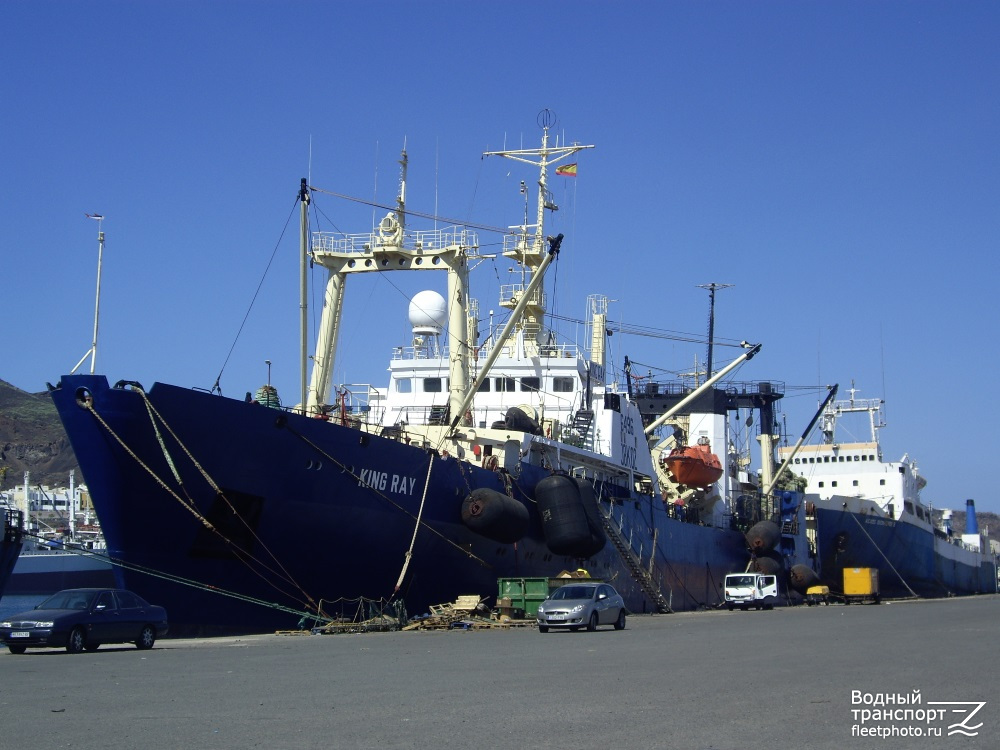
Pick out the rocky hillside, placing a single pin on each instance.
(32, 439)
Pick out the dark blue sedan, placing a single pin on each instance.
(83, 619)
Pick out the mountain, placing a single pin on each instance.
(32, 439)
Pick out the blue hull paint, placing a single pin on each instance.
(331, 513)
(49, 572)
(906, 556)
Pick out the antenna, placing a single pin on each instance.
(92, 351)
(711, 320)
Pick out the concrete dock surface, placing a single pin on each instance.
(799, 677)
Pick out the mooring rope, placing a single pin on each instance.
(860, 526)
(350, 472)
(240, 554)
(416, 528)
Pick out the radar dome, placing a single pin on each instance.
(428, 312)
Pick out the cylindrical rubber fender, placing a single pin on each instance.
(801, 577)
(762, 536)
(564, 520)
(597, 537)
(495, 515)
(768, 562)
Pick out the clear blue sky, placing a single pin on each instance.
(836, 161)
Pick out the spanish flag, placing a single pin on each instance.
(566, 170)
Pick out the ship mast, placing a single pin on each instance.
(92, 351)
(530, 251)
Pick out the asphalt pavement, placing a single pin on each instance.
(799, 677)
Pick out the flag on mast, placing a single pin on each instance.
(566, 170)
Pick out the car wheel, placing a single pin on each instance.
(77, 641)
(543, 629)
(146, 639)
(731, 607)
(592, 623)
(620, 622)
(92, 646)
(17, 649)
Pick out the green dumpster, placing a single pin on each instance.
(524, 593)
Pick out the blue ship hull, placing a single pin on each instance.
(907, 557)
(49, 572)
(310, 511)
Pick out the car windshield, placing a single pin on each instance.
(574, 592)
(67, 600)
(739, 580)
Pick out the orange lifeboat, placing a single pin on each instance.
(694, 465)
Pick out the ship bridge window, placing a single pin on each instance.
(433, 385)
(881, 482)
(404, 385)
(562, 385)
(531, 384)
(833, 484)
(484, 387)
(908, 506)
(821, 484)
(505, 385)
(902, 469)
(855, 483)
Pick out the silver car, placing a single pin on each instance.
(579, 605)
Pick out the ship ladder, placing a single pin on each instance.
(634, 564)
(582, 422)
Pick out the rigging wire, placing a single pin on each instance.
(420, 214)
(216, 387)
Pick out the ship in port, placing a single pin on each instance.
(510, 453)
(62, 542)
(866, 512)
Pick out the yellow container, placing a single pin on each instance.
(860, 581)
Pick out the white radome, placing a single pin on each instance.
(428, 312)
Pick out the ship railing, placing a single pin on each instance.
(522, 240)
(626, 532)
(419, 352)
(510, 294)
(429, 414)
(418, 241)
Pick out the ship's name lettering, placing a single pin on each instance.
(879, 522)
(382, 480)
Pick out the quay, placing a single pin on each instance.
(793, 677)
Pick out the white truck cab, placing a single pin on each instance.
(745, 590)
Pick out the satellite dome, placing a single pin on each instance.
(428, 312)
